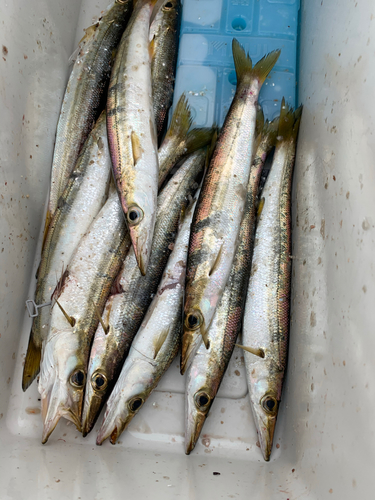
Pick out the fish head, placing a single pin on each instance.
(128, 396)
(201, 389)
(99, 378)
(62, 381)
(198, 313)
(140, 217)
(265, 395)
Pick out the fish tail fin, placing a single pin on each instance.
(198, 138)
(244, 64)
(32, 363)
(289, 121)
(270, 130)
(181, 119)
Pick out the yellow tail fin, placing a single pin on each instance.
(244, 64)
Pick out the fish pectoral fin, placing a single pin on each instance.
(151, 48)
(32, 363)
(257, 351)
(205, 339)
(69, 319)
(260, 208)
(216, 261)
(159, 341)
(136, 147)
(99, 316)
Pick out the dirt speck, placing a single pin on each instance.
(237, 373)
(323, 228)
(347, 195)
(206, 442)
(365, 225)
(5, 50)
(277, 445)
(344, 362)
(222, 410)
(58, 480)
(216, 473)
(258, 444)
(32, 411)
(313, 319)
(312, 387)
(331, 490)
(364, 288)
(326, 185)
(293, 470)
(334, 177)
(319, 260)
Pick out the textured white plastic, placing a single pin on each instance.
(325, 444)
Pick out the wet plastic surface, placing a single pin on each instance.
(325, 432)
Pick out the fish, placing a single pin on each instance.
(208, 366)
(81, 292)
(132, 132)
(155, 345)
(266, 319)
(81, 201)
(179, 141)
(132, 293)
(164, 38)
(82, 99)
(220, 209)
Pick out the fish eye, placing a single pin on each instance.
(134, 215)
(168, 6)
(99, 381)
(269, 404)
(202, 400)
(193, 320)
(134, 404)
(77, 378)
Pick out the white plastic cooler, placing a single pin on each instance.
(324, 445)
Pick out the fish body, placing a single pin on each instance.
(132, 293)
(82, 97)
(207, 370)
(216, 223)
(82, 292)
(83, 197)
(132, 132)
(155, 345)
(266, 319)
(164, 38)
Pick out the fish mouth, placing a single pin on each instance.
(266, 431)
(91, 412)
(112, 428)
(140, 250)
(53, 408)
(193, 430)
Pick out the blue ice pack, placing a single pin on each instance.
(205, 67)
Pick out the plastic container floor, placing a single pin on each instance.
(324, 444)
